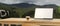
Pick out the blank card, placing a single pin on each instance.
(43, 13)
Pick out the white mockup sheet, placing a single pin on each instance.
(43, 13)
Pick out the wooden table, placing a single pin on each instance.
(31, 22)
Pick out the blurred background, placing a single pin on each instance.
(22, 8)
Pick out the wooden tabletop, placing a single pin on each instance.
(31, 21)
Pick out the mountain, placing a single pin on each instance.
(23, 5)
(26, 5)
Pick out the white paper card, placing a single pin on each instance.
(43, 13)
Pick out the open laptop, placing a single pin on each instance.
(44, 13)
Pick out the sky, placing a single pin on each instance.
(36, 2)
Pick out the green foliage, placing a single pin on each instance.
(57, 14)
(10, 9)
(19, 12)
